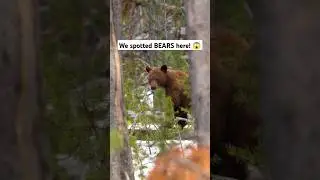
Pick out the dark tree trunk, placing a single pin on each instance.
(21, 156)
(289, 54)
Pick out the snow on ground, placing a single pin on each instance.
(150, 127)
(148, 151)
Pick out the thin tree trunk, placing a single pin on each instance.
(114, 157)
(116, 15)
(288, 36)
(198, 19)
(121, 164)
(20, 93)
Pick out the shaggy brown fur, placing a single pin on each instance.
(230, 123)
(173, 83)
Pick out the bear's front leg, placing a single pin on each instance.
(178, 112)
(176, 100)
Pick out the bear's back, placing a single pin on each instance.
(180, 84)
(178, 76)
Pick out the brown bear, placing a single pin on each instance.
(173, 83)
(230, 123)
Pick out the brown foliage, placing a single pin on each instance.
(190, 164)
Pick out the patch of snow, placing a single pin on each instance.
(149, 98)
(151, 127)
(139, 126)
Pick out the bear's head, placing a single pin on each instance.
(157, 76)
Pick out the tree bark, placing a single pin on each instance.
(21, 156)
(116, 16)
(198, 19)
(121, 163)
(114, 157)
(288, 36)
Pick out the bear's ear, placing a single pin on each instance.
(148, 69)
(164, 68)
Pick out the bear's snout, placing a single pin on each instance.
(153, 84)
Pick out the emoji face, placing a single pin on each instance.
(196, 46)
